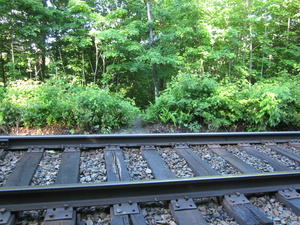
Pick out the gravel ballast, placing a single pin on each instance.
(48, 168)
(176, 164)
(216, 162)
(93, 169)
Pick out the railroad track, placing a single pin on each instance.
(209, 178)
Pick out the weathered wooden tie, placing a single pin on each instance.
(115, 165)
(199, 166)
(240, 208)
(160, 169)
(184, 211)
(68, 173)
(291, 198)
(25, 168)
(127, 212)
(22, 176)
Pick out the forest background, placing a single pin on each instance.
(99, 64)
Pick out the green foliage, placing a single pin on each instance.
(101, 110)
(107, 43)
(198, 100)
(32, 103)
(182, 100)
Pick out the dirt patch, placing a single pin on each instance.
(139, 127)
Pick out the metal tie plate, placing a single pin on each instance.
(295, 141)
(126, 208)
(71, 149)
(183, 204)
(181, 146)
(148, 147)
(244, 144)
(214, 146)
(59, 214)
(4, 143)
(289, 194)
(37, 150)
(239, 199)
(269, 143)
(6, 218)
(112, 147)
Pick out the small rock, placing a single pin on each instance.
(88, 179)
(216, 214)
(286, 214)
(157, 217)
(276, 219)
(272, 200)
(161, 222)
(103, 215)
(208, 157)
(165, 217)
(175, 156)
(89, 222)
(33, 223)
(202, 208)
(149, 171)
(275, 212)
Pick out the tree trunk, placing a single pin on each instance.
(82, 69)
(288, 30)
(250, 60)
(155, 75)
(3, 71)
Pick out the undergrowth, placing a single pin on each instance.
(195, 100)
(29, 103)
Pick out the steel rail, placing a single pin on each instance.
(76, 195)
(134, 140)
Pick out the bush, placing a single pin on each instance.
(31, 103)
(267, 105)
(183, 101)
(193, 100)
(100, 109)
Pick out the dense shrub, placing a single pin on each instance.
(29, 103)
(193, 100)
(184, 101)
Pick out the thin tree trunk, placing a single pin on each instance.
(3, 71)
(155, 75)
(62, 61)
(155, 80)
(229, 69)
(288, 30)
(263, 57)
(251, 52)
(12, 52)
(82, 69)
(96, 61)
(262, 65)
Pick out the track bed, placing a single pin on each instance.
(221, 178)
